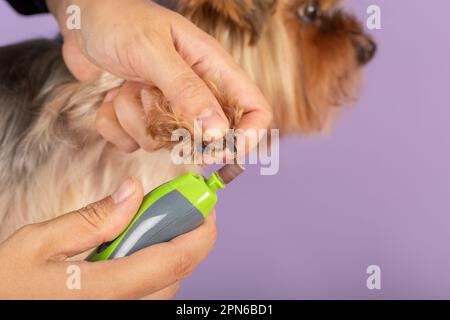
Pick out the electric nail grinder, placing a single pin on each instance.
(174, 208)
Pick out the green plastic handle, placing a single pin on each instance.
(172, 209)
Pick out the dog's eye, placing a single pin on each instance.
(309, 13)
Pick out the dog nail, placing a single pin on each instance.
(124, 192)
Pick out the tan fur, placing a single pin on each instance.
(82, 167)
(305, 71)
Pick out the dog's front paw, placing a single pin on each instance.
(163, 121)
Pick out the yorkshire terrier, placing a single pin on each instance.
(305, 55)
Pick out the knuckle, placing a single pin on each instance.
(105, 121)
(189, 88)
(144, 47)
(121, 101)
(95, 215)
(150, 37)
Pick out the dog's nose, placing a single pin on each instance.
(366, 49)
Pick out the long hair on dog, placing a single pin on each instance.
(52, 160)
(305, 55)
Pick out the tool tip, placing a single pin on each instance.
(229, 172)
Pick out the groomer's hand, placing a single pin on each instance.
(149, 45)
(33, 260)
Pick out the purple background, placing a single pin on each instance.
(374, 191)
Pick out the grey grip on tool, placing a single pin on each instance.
(167, 218)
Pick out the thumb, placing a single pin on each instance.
(100, 222)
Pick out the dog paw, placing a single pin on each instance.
(163, 121)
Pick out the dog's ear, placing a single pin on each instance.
(248, 16)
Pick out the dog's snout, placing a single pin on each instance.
(366, 49)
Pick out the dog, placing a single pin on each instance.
(305, 55)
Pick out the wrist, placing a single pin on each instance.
(59, 10)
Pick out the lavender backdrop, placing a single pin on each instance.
(375, 191)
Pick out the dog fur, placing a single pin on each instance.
(305, 55)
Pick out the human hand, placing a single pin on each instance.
(34, 259)
(149, 45)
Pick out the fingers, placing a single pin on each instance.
(122, 118)
(93, 225)
(214, 63)
(154, 272)
(110, 128)
(257, 113)
(178, 64)
(129, 110)
(185, 90)
(149, 270)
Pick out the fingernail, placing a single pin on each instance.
(124, 191)
(211, 119)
